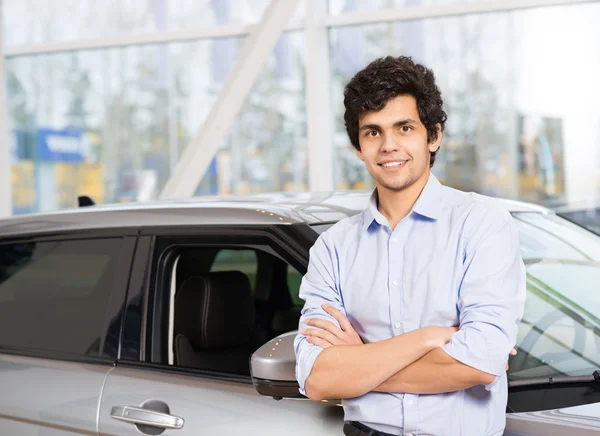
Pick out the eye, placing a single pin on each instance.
(406, 129)
(372, 133)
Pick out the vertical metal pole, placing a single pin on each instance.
(5, 158)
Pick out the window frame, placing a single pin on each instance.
(289, 242)
(116, 294)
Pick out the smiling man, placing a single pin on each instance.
(412, 307)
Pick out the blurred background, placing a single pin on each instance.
(102, 98)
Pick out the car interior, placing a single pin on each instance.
(226, 303)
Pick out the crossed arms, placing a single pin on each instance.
(410, 363)
(333, 362)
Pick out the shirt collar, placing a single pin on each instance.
(427, 205)
(371, 213)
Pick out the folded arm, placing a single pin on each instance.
(435, 373)
(491, 304)
(350, 368)
(348, 371)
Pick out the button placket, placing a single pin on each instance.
(411, 413)
(395, 266)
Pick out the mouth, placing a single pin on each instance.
(393, 164)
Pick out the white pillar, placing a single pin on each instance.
(199, 153)
(318, 99)
(5, 158)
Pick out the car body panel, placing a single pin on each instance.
(43, 397)
(252, 210)
(77, 397)
(579, 420)
(212, 406)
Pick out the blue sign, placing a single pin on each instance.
(60, 145)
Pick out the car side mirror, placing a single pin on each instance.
(273, 368)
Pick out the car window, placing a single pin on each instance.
(586, 217)
(294, 279)
(239, 260)
(537, 243)
(560, 330)
(247, 261)
(53, 295)
(268, 308)
(559, 229)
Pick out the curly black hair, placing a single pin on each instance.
(387, 78)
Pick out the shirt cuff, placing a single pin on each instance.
(475, 355)
(461, 354)
(305, 362)
(495, 385)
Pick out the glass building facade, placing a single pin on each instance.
(103, 97)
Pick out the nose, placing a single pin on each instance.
(390, 144)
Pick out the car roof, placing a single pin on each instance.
(263, 209)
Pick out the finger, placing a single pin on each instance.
(323, 334)
(513, 352)
(325, 325)
(339, 316)
(507, 367)
(318, 342)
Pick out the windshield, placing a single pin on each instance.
(559, 334)
(586, 217)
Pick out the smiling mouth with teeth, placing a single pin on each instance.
(393, 164)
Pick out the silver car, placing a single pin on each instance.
(178, 318)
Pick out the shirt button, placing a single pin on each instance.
(410, 403)
(395, 241)
(395, 283)
(409, 434)
(398, 325)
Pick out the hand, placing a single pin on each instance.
(328, 334)
(513, 352)
(437, 336)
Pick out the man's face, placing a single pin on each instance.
(393, 144)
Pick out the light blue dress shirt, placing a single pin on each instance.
(454, 260)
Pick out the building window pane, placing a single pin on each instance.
(49, 21)
(266, 148)
(112, 124)
(518, 120)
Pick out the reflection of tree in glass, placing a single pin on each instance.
(476, 132)
(268, 135)
(77, 84)
(16, 97)
(136, 125)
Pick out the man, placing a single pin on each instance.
(412, 307)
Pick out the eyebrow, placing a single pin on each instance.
(399, 123)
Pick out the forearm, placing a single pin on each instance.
(349, 371)
(435, 373)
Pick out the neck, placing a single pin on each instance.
(396, 205)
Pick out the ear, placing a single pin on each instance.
(359, 154)
(435, 144)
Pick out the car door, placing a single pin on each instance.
(154, 390)
(60, 305)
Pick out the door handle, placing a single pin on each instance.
(139, 416)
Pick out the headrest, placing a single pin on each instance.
(215, 310)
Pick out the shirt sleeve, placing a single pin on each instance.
(319, 286)
(491, 296)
